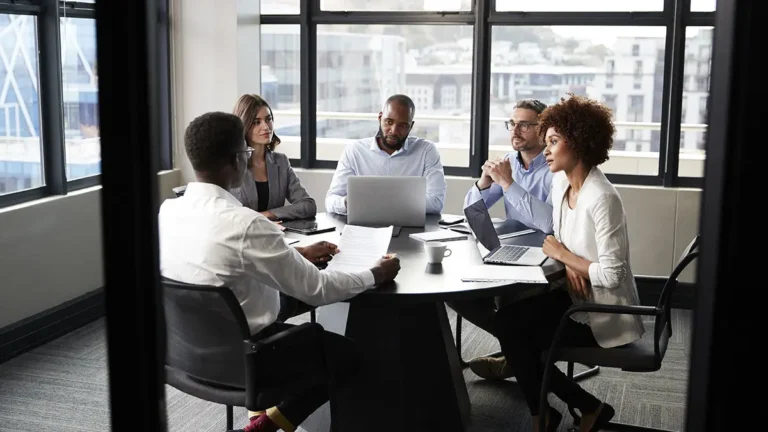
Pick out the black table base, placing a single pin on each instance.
(410, 379)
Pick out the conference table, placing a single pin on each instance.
(411, 378)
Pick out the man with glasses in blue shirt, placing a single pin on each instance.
(522, 178)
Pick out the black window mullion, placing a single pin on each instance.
(669, 153)
(308, 84)
(51, 98)
(481, 89)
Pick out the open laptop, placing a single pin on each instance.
(387, 200)
(481, 225)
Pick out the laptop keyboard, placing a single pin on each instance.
(509, 253)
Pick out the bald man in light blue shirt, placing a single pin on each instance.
(390, 153)
(522, 178)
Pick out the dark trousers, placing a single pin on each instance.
(291, 307)
(342, 362)
(526, 329)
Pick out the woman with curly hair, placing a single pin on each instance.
(590, 239)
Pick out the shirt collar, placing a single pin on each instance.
(210, 190)
(538, 161)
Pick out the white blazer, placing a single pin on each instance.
(598, 233)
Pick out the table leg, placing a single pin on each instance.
(410, 378)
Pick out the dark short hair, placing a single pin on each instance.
(211, 139)
(531, 104)
(403, 101)
(586, 125)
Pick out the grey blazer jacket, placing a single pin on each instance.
(284, 185)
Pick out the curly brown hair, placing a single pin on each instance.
(586, 125)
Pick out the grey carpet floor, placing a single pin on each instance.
(62, 386)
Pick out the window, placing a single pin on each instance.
(279, 7)
(80, 97)
(432, 64)
(396, 5)
(366, 51)
(539, 63)
(281, 83)
(580, 6)
(692, 148)
(703, 5)
(21, 164)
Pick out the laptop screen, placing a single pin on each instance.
(479, 221)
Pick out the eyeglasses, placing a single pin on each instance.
(523, 125)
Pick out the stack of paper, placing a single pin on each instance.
(499, 273)
(360, 248)
(440, 235)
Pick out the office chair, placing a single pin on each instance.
(211, 355)
(592, 370)
(643, 355)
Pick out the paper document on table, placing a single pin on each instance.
(360, 248)
(498, 273)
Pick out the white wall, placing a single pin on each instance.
(51, 251)
(205, 65)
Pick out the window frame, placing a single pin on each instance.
(675, 17)
(51, 86)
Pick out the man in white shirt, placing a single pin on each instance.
(207, 237)
(390, 153)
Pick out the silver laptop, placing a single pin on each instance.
(387, 200)
(481, 225)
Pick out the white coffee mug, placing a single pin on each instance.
(436, 251)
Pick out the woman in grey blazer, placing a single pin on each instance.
(591, 241)
(271, 180)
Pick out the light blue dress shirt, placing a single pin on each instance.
(528, 198)
(418, 157)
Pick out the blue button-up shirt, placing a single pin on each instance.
(528, 198)
(417, 157)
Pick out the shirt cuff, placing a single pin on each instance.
(368, 279)
(594, 274)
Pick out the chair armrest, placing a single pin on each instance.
(616, 309)
(284, 364)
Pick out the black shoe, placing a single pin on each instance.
(554, 420)
(605, 416)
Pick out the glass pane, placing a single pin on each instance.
(621, 66)
(396, 5)
(20, 147)
(703, 5)
(279, 7)
(693, 133)
(359, 67)
(580, 6)
(81, 97)
(280, 83)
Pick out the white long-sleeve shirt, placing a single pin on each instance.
(207, 237)
(418, 157)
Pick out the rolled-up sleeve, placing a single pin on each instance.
(267, 258)
(610, 270)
